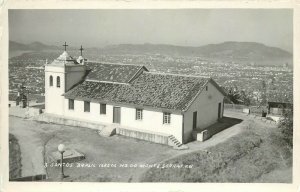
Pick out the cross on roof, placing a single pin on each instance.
(65, 45)
(81, 49)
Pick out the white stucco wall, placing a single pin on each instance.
(206, 105)
(12, 103)
(93, 115)
(69, 75)
(152, 120)
(54, 102)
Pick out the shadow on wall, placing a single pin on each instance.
(219, 126)
(223, 124)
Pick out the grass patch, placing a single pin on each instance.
(92, 178)
(15, 166)
(243, 158)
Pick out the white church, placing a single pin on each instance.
(138, 103)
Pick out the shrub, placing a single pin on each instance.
(206, 166)
(286, 126)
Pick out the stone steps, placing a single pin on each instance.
(176, 144)
(107, 131)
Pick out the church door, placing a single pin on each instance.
(116, 115)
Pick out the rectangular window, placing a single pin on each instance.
(86, 106)
(71, 104)
(102, 108)
(139, 114)
(167, 118)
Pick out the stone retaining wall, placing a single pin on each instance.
(264, 119)
(24, 112)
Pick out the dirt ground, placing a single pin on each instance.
(97, 149)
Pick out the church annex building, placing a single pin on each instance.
(139, 103)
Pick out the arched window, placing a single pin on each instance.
(57, 81)
(51, 80)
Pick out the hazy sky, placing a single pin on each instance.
(191, 27)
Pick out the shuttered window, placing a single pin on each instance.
(139, 114)
(166, 118)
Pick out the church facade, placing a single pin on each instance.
(131, 97)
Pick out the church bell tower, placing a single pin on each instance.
(60, 76)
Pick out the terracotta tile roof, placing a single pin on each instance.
(122, 73)
(173, 92)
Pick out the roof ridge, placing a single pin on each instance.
(109, 63)
(111, 82)
(174, 74)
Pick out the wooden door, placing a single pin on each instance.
(219, 111)
(116, 115)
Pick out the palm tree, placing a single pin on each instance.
(234, 95)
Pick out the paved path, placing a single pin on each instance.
(113, 150)
(32, 150)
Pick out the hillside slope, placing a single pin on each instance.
(250, 50)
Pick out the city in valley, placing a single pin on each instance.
(244, 74)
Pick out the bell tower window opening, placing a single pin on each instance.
(51, 81)
(58, 81)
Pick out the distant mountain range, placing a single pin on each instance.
(250, 51)
(35, 46)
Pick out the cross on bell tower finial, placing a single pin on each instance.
(81, 49)
(65, 45)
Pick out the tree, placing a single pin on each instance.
(245, 98)
(234, 95)
(263, 91)
(286, 126)
(238, 96)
